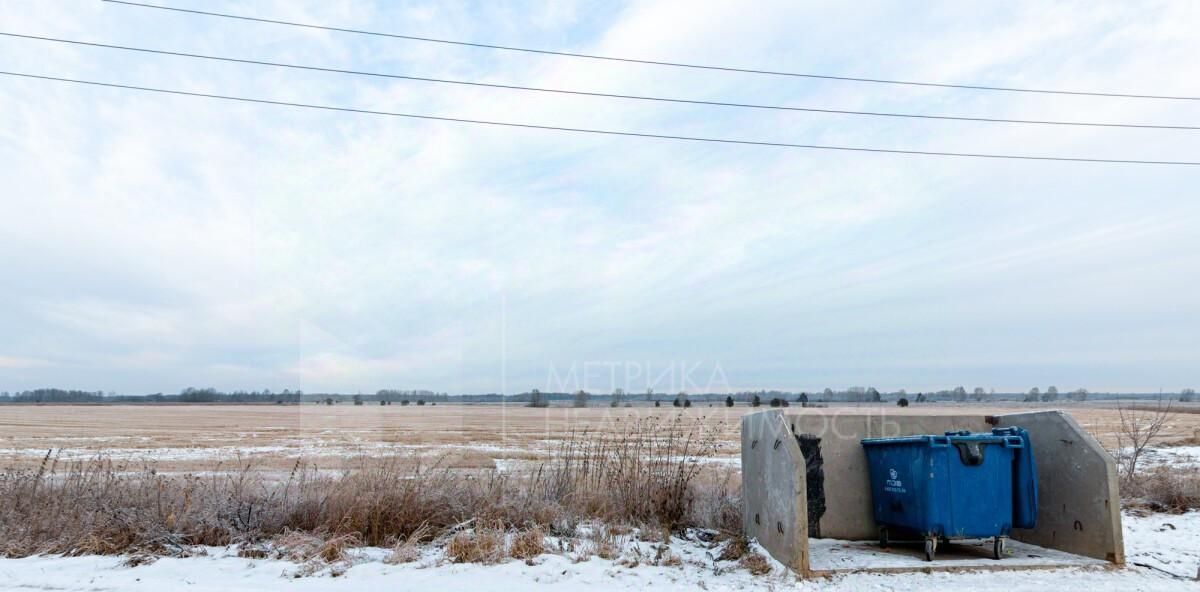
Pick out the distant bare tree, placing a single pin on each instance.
(581, 399)
(872, 395)
(1187, 395)
(1051, 395)
(960, 394)
(1034, 395)
(536, 399)
(978, 393)
(1080, 395)
(617, 397)
(1139, 427)
(827, 394)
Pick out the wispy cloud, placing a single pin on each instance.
(249, 246)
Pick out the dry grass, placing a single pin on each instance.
(642, 474)
(1163, 489)
(605, 543)
(735, 549)
(645, 474)
(755, 563)
(408, 549)
(480, 545)
(527, 543)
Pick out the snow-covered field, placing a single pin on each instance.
(1168, 544)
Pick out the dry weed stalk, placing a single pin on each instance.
(645, 475)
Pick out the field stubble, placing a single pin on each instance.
(313, 480)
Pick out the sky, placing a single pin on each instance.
(150, 243)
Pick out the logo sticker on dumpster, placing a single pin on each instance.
(893, 485)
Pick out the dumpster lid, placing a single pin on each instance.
(946, 439)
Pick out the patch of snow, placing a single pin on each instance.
(833, 554)
(297, 448)
(1177, 457)
(1169, 542)
(222, 570)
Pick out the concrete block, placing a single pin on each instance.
(1079, 507)
(774, 504)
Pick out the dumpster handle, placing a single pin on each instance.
(939, 441)
(1013, 442)
(970, 453)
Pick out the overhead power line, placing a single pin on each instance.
(663, 63)
(601, 94)
(599, 131)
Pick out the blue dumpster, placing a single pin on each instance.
(954, 486)
(1025, 500)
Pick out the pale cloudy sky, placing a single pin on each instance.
(151, 242)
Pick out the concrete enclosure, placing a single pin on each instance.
(1079, 509)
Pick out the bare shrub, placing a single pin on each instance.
(1139, 426)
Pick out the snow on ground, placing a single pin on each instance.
(1169, 543)
(833, 554)
(1177, 456)
(294, 448)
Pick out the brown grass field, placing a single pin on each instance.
(158, 480)
(199, 437)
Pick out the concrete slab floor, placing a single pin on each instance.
(833, 555)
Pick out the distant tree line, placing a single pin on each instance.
(536, 398)
(52, 395)
(212, 395)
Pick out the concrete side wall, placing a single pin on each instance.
(848, 513)
(1079, 508)
(774, 500)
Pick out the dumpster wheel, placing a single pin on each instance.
(930, 548)
(998, 547)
